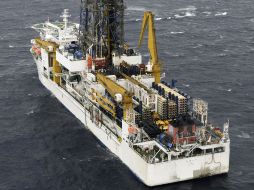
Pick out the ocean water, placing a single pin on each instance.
(207, 45)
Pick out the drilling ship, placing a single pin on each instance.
(159, 132)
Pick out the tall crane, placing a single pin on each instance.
(148, 22)
(119, 93)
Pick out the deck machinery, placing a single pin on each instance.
(149, 124)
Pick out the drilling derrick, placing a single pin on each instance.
(101, 27)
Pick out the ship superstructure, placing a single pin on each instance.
(148, 123)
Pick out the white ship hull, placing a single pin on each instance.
(150, 174)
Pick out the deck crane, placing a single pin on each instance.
(120, 94)
(148, 21)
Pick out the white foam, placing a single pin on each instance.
(138, 19)
(221, 37)
(178, 16)
(221, 14)
(207, 13)
(176, 55)
(11, 46)
(186, 85)
(158, 18)
(189, 11)
(186, 14)
(197, 46)
(222, 54)
(176, 32)
(135, 8)
(188, 8)
(244, 135)
(190, 14)
(30, 112)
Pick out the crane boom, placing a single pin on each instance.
(148, 21)
(113, 88)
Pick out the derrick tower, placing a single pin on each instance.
(102, 27)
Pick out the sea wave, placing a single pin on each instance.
(176, 32)
(186, 85)
(158, 18)
(188, 8)
(19, 46)
(175, 55)
(207, 13)
(221, 14)
(189, 11)
(186, 14)
(244, 135)
(30, 112)
(197, 46)
(136, 9)
(176, 16)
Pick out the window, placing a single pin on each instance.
(209, 151)
(51, 60)
(219, 149)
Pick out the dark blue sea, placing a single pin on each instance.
(207, 45)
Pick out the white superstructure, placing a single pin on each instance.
(180, 151)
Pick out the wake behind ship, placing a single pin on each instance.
(159, 132)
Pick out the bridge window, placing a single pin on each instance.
(209, 151)
(219, 149)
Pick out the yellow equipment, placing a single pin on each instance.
(148, 20)
(104, 102)
(51, 47)
(113, 88)
(162, 124)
